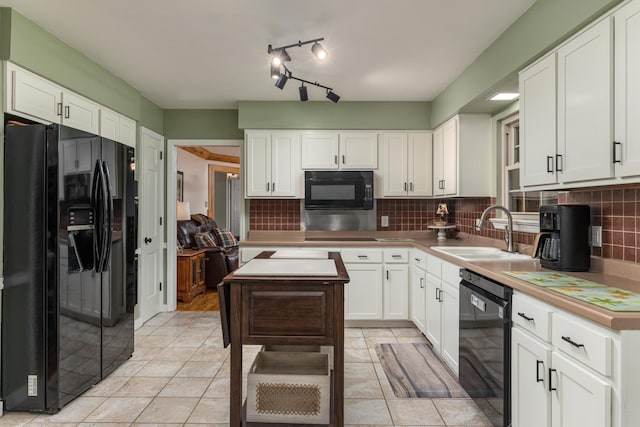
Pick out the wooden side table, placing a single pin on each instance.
(191, 274)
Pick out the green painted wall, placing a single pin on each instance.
(151, 116)
(5, 32)
(37, 50)
(202, 124)
(327, 115)
(544, 25)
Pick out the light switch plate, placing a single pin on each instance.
(384, 221)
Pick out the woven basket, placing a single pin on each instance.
(289, 387)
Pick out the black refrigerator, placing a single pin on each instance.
(70, 286)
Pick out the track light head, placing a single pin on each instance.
(304, 96)
(279, 57)
(275, 71)
(282, 80)
(319, 51)
(332, 96)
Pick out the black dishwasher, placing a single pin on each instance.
(485, 345)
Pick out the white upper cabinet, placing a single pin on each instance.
(272, 164)
(462, 159)
(339, 150)
(585, 105)
(538, 122)
(627, 88)
(406, 161)
(32, 96)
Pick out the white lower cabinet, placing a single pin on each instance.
(417, 289)
(396, 286)
(363, 293)
(442, 309)
(560, 383)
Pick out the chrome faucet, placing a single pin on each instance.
(508, 235)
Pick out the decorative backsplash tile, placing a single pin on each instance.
(616, 209)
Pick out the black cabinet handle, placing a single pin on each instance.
(66, 112)
(550, 164)
(615, 158)
(405, 186)
(343, 159)
(538, 363)
(525, 317)
(559, 165)
(335, 159)
(572, 342)
(551, 388)
(387, 274)
(59, 112)
(147, 240)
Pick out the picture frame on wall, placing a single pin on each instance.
(180, 186)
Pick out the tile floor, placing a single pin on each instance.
(179, 376)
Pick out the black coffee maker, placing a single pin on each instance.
(563, 243)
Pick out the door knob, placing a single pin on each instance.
(147, 240)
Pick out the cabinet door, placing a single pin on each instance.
(285, 169)
(258, 161)
(438, 172)
(80, 113)
(450, 157)
(319, 150)
(417, 298)
(531, 400)
(450, 325)
(358, 151)
(109, 124)
(538, 122)
(363, 295)
(581, 398)
(394, 154)
(585, 105)
(396, 292)
(627, 88)
(433, 326)
(35, 96)
(127, 131)
(420, 164)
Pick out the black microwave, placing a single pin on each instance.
(338, 190)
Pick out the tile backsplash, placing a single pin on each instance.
(615, 208)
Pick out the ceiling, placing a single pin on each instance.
(213, 53)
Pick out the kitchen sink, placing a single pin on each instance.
(480, 253)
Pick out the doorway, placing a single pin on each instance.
(218, 149)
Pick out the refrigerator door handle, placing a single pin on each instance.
(96, 204)
(105, 222)
(110, 213)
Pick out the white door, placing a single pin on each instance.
(580, 397)
(150, 229)
(438, 154)
(538, 122)
(35, 96)
(394, 158)
(363, 295)
(627, 88)
(258, 164)
(396, 292)
(450, 157)
(418, 301)
(319, 150)
(585, 105)
(420, 164)
(359, 151)
(285, 161)
(531, 400)
(450, 325)
(80, 113)
(434, 310)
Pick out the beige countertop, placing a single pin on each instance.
(608, 272)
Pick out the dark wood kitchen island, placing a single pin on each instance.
(284, 309)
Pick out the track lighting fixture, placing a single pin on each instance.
(279, 56)
(282, 80)
(304, 96)
(332, 96)
(319, 51)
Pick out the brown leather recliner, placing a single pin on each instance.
(219, 261)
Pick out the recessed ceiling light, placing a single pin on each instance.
(504, 96)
